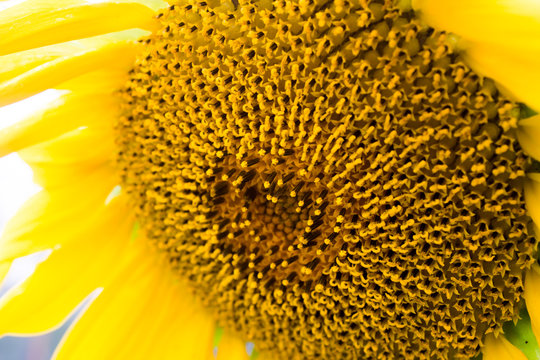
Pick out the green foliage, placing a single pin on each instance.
(521, 336)
(218, 335)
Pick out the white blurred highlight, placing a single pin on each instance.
(13, 113)
(9, 3)
(21, 269)
(16, 186)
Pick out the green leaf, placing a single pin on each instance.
(218, 335)
(134, 231)
(526, 111)
(254, 355)
(522, 337)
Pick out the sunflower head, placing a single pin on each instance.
(330, 176)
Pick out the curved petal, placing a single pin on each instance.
(509, 22)
(498, 348)
(231, 347)
(34, 24)
(18, 63)
(501, 38)
(532, 298)
(265, 356)
(70, 273)
(15, 64)
(64, 114)
(71, 156)
(4, 268)
(111, 55)
(517, 73)
(529, 135)
(53, 217)
(145, 314)
(532, 196)
(520, 334)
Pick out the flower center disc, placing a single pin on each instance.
(330, 176)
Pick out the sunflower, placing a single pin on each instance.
(327, 179)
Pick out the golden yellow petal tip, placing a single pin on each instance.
(532, 297)
(498, 348)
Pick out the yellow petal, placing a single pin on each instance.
(18, 63)
(102, 82)
(266, 356)
(69, 274)
(512, 22)
(145, 314)
(117, 55)
(231, 347)
(501, 38)
(532, 196)
(55, 216)
(75, 147)
(529, 135)
(67, 113)
(15, 64)
(71, 156)
(498, 348)
(532, 298)
(30, 25)
(517, 73)
(152, 4)
(4, 268)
